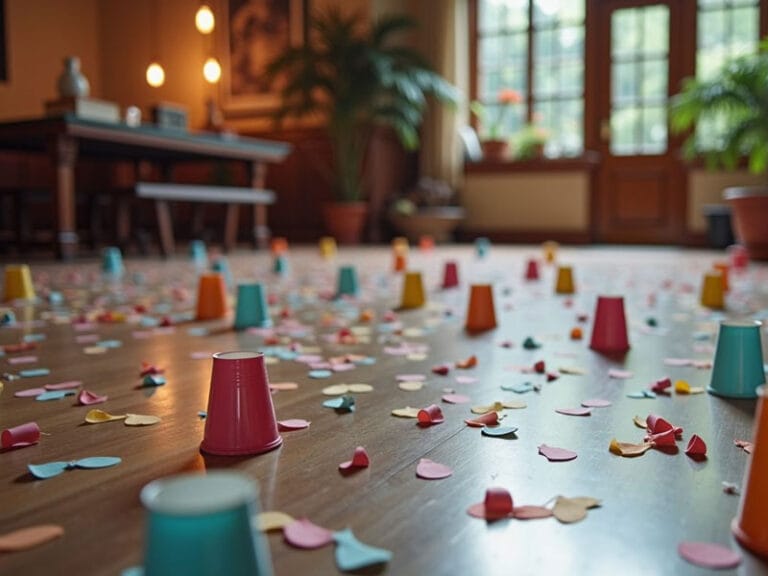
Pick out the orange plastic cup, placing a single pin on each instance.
(401, 261)
(750, 526)
(211, 297)
(723, 268)
(278, 245)
(712, 291)
(481, 313)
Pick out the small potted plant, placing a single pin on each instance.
(427, 209)
(736, 100)
(493, 123)
(529, 142)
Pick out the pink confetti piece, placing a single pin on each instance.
(292, 424)
(308, 358)
(744, 445)
(709, 555)
(283, 386)
(201, 355)
(304, 534)
(666, 438)
(487, 419)
(432, 414)
(497, 504)
(22, 360)
(64, 385)
(531, 512)
(678, 361)
(465, 379)
(619, 374)
(410, 377)
(86, 398)
(342, 367)
(662, 385)
(359, 460)
(656, 425)
(19, 436)
(29, 392)
(442, 369)
(574, 411)
(696, 448)
(554, 454)
(87, 338)
(455, 398)
(596, 403)
(429, 470)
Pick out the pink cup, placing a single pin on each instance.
(241, 417)
(532, 270)
(450, 275)
(609, 332)
(21, 435)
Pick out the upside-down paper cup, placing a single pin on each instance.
(200, 525)
(347, 282)
(737, 370)
(413, 291)
(450, 274)
(241, 417)
(750, 526)
(565, 284)
(251, 310)
(550, 249)
(532, 270)
(18, 283)
(609, 331)
(211, 297)
(112, 262)
(712, 290)
(481, 312)
(327, 247)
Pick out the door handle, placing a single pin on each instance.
(605, 130)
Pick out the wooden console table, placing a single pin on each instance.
(68, 138)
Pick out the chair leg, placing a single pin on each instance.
(165, 227)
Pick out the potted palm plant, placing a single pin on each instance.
(356, 77)
(736, 101)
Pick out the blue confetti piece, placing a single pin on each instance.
(49, 470)
(52, 469)
(642, 394)
(7, 318)
(162, 308)
(55, 298)
(54, 395)
(95, 462)
(320, 373)
(34, 337)
(149, 322)
(518, 388)
(110, 344)
(198, 331)
(287, 355)
(366, 361)
(351, 554)
(499, 431)
(153, 380)
(341, 403)
(32, 372)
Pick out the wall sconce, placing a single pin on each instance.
(212, 70)
(204, 19)
(155, 75)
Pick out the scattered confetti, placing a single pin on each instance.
(342, 403)
(141, 420)
(488, 419)
(570, 510)
(531, 512)
(497, 505)
(744, 445)
(518, 388)
(64, 385)
(351, 554)
(410, 386)
(499, 431)
(292, 424)
(455, 398)
(709, 555)
(29, 393)
(406, 412)
(730, 488)
(682, 387)
(317, 374)
(429, 470)
(470, 362)
(153, 380)
(304, 534)
(34, 372)
(51, 469)
(27, 538)
(97, 416)
(641, 394)
(432, 414)
(54, 395)
(574, 411)
(596, 403)
(627, 449)
(531, 344)
(572, 370)
(86, 398)
(272, 520)
(283, 386)
(554, 454)
(619, 374)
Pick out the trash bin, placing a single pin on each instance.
(719, 231)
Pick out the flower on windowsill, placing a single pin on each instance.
(492, 127)
(529, 142)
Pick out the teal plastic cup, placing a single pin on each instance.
(200, 525)
(737, 370)
(482, 246)
(251, 310)
(198, 254)
(347, 282)
(112, 262)
(280, 265)
(221, 266)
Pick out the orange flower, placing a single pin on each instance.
(509, 96)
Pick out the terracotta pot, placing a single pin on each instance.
(494, 150)
(345, 220)
(750, 213)
(439, 222)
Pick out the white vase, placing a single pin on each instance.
(72, 83)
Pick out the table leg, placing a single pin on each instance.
(165, 227)
(261, 232)
(230, 227)
(64, 154)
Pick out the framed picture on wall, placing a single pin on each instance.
(257, 31)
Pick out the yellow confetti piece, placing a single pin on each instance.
(271, 360)
(97, 416)
(95, 350)
(360, 388)
(495, 407)
(361, 330)
(141, 420)
(406, 412)
(640, 422)
(682, 387)
(336, 390)
(272, 520)
(515, 404)
(627, 449)
(413, 332)
(410, 386)
(416, 357)
(573, 370)
(570, 510)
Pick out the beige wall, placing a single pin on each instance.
(40, 34)
(522, 202)
(706, 187)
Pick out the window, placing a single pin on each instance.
(535, 47)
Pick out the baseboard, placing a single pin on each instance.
(526, 236)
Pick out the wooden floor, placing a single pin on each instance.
(649, 504)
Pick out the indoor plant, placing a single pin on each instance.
(356, 78)
(736, 100)
(427, 209)
(529, 142)
(493, 125)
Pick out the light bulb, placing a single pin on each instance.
(155, 75)
(204, 20)
(212, 70)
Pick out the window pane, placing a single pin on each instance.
(624, 88)
(654, 130)
(625, 125)
(655, 80)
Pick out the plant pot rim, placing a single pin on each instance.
(736, 192)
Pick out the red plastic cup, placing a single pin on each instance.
(532, 270)
(241, 417)
(609, 332)
(450, 274)
(738, 256)
(21, 435)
